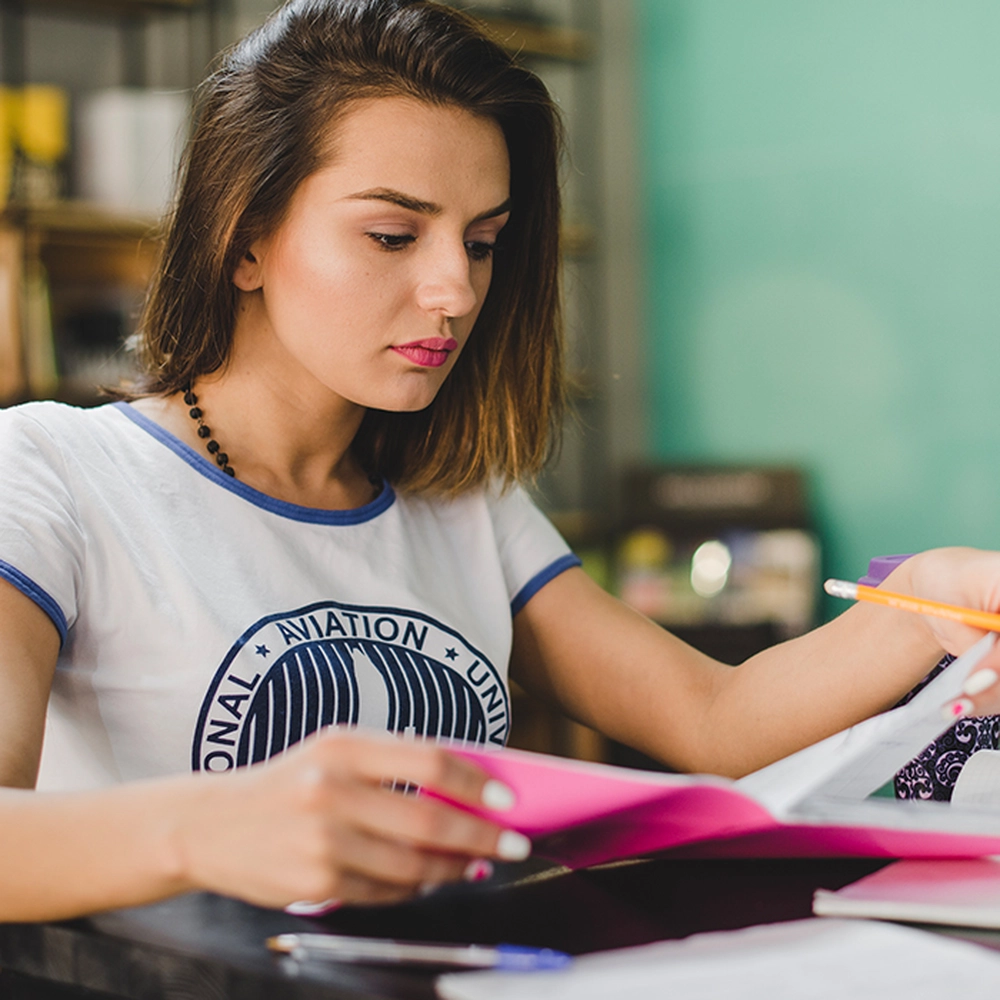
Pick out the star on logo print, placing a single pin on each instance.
(451, 653)
(263, 651)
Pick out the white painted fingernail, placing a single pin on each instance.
(979, 681)
(308, 908)
(957, 709)
(427, 888)
(513, 846)
(496, 795)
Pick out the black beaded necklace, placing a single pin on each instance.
(204, 431)
(214, 448)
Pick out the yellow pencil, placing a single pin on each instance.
(859, 592)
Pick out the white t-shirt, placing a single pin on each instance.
(206, 625)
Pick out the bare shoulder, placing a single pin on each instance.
(24, 624)
(168, 413)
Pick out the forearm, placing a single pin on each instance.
(68, 854)
(612, 669)
(315, 823)
(698, 715)
(801, 691)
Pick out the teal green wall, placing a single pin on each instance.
(822, 220)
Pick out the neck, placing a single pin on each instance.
(284, 432)
(289, 443)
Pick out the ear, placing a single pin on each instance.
(248, 276)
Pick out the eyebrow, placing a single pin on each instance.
(417, 205)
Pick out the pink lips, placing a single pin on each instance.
(430, 353)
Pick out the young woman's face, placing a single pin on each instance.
(372, 283)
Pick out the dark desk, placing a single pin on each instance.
(207, 947)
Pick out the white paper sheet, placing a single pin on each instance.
(800, 960)
(979, 781)
(854, 763)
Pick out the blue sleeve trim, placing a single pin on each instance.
(42, 598)
(535, 584)
(296, 512)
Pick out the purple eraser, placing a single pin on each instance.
(880, 567)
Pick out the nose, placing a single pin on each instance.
(445, 283)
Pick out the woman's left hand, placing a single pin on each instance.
(968, 578)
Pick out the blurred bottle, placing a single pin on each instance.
(8, 101)
(128, 142)
(39, 123)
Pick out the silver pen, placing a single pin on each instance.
(384, 951)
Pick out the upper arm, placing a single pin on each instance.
(42, 553)
(613, 669)
(29, 647)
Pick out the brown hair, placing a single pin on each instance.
(262, 123)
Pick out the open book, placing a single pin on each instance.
(814, 803)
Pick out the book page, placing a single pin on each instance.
(854, 763)
(978, 782)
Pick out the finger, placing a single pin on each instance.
(380, 756)
(429, 824)
(981, 690)
(366, 890)
(960, 638)
(397, 863)
(980, 693)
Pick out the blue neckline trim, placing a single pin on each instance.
(535, 584)
(40, 596)
(295, 512)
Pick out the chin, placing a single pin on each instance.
(410, 398)
(412, 407)
(401, 402)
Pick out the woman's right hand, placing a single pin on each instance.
(322, 822)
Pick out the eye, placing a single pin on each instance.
(477, 250)
(391, 241)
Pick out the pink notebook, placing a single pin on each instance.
(815, 803)
(963, 893)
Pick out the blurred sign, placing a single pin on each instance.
(704, 545)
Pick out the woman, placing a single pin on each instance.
(306, 514)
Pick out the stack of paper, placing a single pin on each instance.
(801, 960)
(964, 893)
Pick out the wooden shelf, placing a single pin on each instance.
(79, 242)
(62, 261)
(68, 219)
(535, 38)
(113, 8)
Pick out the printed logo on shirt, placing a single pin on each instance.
(330, 663)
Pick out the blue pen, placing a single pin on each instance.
(345, 948)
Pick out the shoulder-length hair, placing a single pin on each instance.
(262, 123)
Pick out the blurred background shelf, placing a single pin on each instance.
(84, 271)
(108, 8)
(62, 219)
(539, 39)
